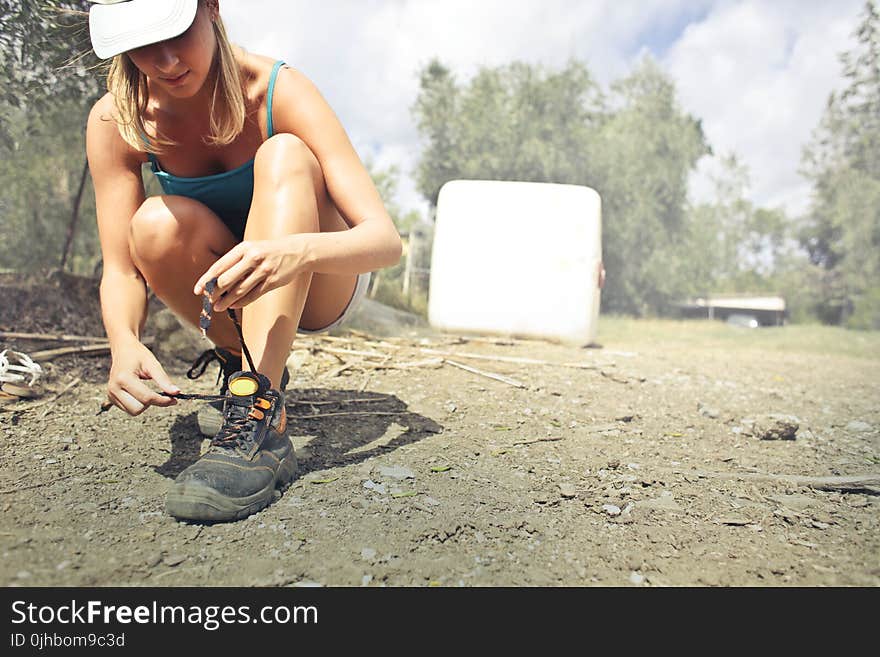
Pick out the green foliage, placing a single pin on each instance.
(842, 231)
(636, 147)
(48, 79)
(41, 175)
(645, 151)
(741, 248)
(45, 57)
(516, 122)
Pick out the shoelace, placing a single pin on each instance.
(201, 363)
(205, 319)
(233, 429)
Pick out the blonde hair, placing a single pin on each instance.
(130, 93)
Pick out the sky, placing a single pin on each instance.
(757, 73)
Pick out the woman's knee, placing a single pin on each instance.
(158, 227)
(152, 230)
(285, 157)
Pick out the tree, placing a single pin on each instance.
(645, 152)
(636, 148)
(45, 56)
(842, 230)
(515, 122)
(49, 80)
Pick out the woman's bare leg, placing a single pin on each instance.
(173, 241)
(290, 197)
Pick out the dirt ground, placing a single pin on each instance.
(636, 468)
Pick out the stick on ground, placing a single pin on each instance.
(50, 337)
(490, 375)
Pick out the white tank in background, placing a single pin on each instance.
(517, 258)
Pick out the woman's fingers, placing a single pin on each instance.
(230, 282)
(156, 373)
(225, 262)
(253, 281)
(255, 293)
(127, 402)
(133, 397)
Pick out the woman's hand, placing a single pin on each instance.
(250, 269)
(132, 365)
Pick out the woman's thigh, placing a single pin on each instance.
(173, 241)
(174, 234)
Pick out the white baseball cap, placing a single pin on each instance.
(120, 25)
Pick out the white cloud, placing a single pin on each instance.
(759, 74)
(756, 72)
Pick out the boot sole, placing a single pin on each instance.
(196, 502)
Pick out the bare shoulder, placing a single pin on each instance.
(102, 115)
(256, 70)
(296, 99)
(105, 146)
(299, 103)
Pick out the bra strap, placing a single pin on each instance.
(154, 163)
(270, 126)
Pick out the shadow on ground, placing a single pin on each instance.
(339, 424)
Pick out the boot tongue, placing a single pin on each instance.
(245, 387)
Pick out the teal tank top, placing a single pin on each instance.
(228, 194)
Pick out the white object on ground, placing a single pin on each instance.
(517, 258)
(26, 366)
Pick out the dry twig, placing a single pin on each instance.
(317, 415)
(537, 440)
(22, 409)
(430, 362)
(49, 354)
(32, 486)
(846, 484)
(50, 337)
(350, 352)
(490, 375)
(339, 369)
(510, 359)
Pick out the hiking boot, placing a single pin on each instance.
(210, 414)
(248, 459)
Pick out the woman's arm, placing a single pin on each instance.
(373, 241)
(119, 192)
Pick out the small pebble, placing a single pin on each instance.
(396, 472)
(369, 484)
(567, 491)
(611, 509)
(174, 559)
(857, 426)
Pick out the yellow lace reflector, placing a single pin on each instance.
(243, 386)
(262, 403)
(256, 413)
